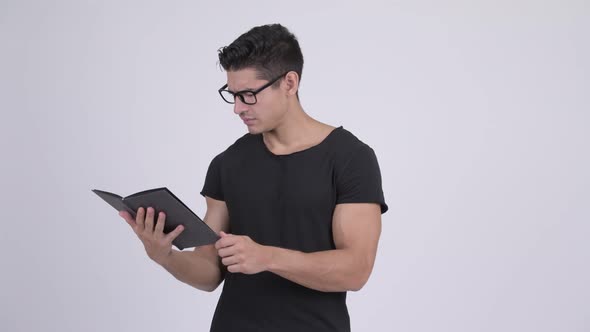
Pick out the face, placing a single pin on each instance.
(271, 103)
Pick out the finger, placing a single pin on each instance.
(149, 220)
(174, 234)
(128, 218)
(231, 260)
(226, 241)
(223, 234)
(234, 268)
(227, 251)
(159, 230)
(139, 219)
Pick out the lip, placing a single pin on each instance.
(248, 121)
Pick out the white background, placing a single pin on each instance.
(478, 112)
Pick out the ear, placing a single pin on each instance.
(291, 83)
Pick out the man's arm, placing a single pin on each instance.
(356, 229)
(201, 268)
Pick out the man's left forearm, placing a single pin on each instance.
(335, 270)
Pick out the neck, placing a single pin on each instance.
(297, 129)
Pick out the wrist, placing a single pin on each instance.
(166, 260)
(271, 253)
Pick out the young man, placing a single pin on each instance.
(297, 203)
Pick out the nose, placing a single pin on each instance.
(239, 106)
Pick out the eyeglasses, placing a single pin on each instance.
(247, 97)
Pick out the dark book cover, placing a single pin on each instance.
(196, 232)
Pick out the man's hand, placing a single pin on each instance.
(241, 254)
(158, 245)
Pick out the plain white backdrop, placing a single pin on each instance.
(478, 112)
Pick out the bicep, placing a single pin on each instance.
(356, 227)
(217, 216)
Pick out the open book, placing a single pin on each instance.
(196, 232)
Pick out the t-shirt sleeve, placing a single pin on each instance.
(213, 186)
(360, 179)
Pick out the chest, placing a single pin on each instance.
(295, 184)
(285, 201)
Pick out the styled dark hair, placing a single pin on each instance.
(269, 49)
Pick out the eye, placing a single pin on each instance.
(248, 97)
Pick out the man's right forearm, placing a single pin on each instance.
(199, 269)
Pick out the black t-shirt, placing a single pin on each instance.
(288, 201)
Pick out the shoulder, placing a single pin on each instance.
(240, 148)
(345, 146)
(357, 174)
(245, 142)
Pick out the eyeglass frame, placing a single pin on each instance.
(253, 92)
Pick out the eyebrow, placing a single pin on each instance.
(243, 90)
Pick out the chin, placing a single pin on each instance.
(254, 130)
(258, 128)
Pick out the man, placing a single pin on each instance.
(297, 203)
